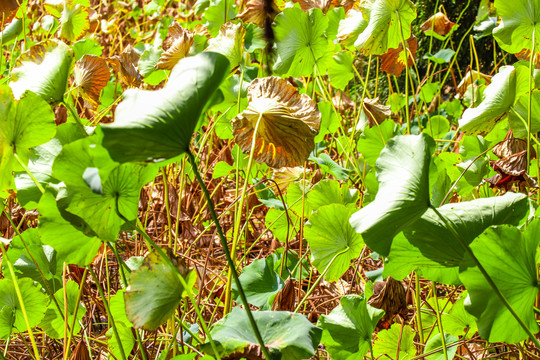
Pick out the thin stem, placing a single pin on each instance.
(488, 278)
(404, 44)
(21, 302)
(529, 113)
(108, 311)
(230, 262)
(75, 116)
(29, 173)
(439, 322)
(417, 305)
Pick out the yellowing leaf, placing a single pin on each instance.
(258, 11)
(175, 47)
(437, 25)
(281, 122)
(229, 42)
(395, 60)
(74, 21)
(91, 75)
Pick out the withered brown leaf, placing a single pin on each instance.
(280, 122)
(175, 47)
(376, 112)
(438, 23)
(126, 66)
(91, 75)
(393, 62)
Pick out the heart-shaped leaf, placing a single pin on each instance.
(348, 328)
(288, 336)
(332, 240)
(23, 124)
(154, 292)
(516, 280)
(403, 196)
(389, 20)
(44, 70)
(158, 125)
(519, 20)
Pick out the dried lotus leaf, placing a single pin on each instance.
(8, 9)
(375, 111)
(470, 77)
(286, 176)
(91, 75)
(281, 122)
(306, 5)
(510, 146)
(126, 66)
(438, 24)
(229, 42)
(389, 295)
(258, 11)
(393, 62)
(175, 47)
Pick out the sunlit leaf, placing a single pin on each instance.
(158, 125)
(259, 11)
(519, 20)
(53, 321)
(340, 69)
(74, 21)
(285, 121)
(351, 27)
(332, 240)
(35, 303)
(389, 20)
(403, 174)
(288, 336)
(175, 47)
(229, 42)
(44, 70)
(218, 13)
(301, 43)
(516, 280)
(348, 328)
(125, 65)
(8, 9)
(24, 124)
(395, 60)
(438, 25)
(395, 343)
(91, 75)
(154, 292)
(374, 139)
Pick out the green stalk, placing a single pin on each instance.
(404, 44)
(76, 117)
(488, 278)
(79, 296)
(529, 112)
(29, 173)
(238, 219)
(439, 322)
(109, 313)
(417, 305)
(21, 302)
(230, 261)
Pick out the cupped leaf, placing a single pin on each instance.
(282, 121)
(438, 25)
(301, 43)
(519, 20)
(229, 42)
(260, 282)
(91, 76)
(516, 280)
(499, 96)
(11, 315)
(332, 240)
(158, 125)
(44, 70)
(395, 343)
(348, 328)
(403, 196)
(23, 124)
(389, 20)
(53, 321)
(175, 47)
(154, 292)
(288, 336)
(74, 21)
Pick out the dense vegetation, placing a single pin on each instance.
(258, 179)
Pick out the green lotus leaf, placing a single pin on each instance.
(74, 21)
(395, 341)
(499, 96)
(520, 19)
(389, 20)
(348, 328)
(509, 257)
(301, 43)
(44, 70)
(229, 42)
(260, 282)
(436, 343)
(519, 115)
(288, 336)
(158, 125)
(68, 239)
(403, 196)
(340, 69)
(458, 321)
(53, 321)
(327, 192)
(217, 13)
(374, 139)
(351, 27)
(40, 165)
(35, 303)
(24, 124)
(154, 292)
(100, 189)
(125, 333)
(332, 240)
